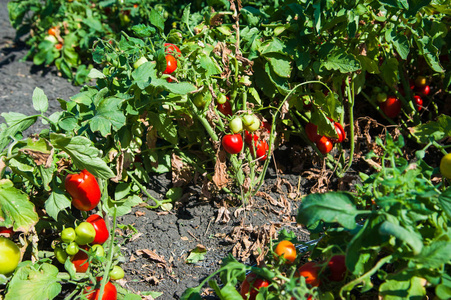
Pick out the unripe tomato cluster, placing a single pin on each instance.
(324, 143)
(249, 123)
(93, 231)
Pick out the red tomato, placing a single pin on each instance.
(312, 132)
(267, 126)
(391, 107)
(99, 224)
(80, 261)
(310, 271)
(324, 145)
(425, 90)
(261, 150)
(109, 292)
(337, 268)
(225, 108)
(341, 132)
(248, 137)
(84, 190)
(251, 285)
(171, 64)
(172, 49)
(418, 102)
(232, 143)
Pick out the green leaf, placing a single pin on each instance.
(108, 115)
(400, 42)
(280, 64)
(435, 255)
(196, 255)
(445, 201)
(83, 154)
(123, 206)
(56, 202)
(144, 74)
(368, 64)
(165, 127)
(343, 62)
(95, 74)
(403, 285)
(209, 66)
(156, 19)
(435, 130)
(333, 207)
(40, 100)
(403, 234)
(16, 210)
(34, 282)
(389, 71)
(17, 124)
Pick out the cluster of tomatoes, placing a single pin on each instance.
(249, 123)
(171, 51)
(332, 270)
(391, 105)
(54, 37)
(83, 244)
(324, 143)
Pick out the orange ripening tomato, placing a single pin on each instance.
(287, 250)
(310, 271)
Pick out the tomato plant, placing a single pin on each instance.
(232, 143)
(391, 107)
(251, 285)
(84, 190)
(10, 256)
(85, 233)
(99, 225)
(287, 250)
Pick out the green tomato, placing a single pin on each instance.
(381, 97)
(221, 98)
(68, 235)
(85, 233)
(60, 254)
(9, 256)
(117, 273)
(236, 125)
(98, 250)
(72, 248)
(248, 120)
(199, 100)
(139, 62)
(445, 166)
(255, 125)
